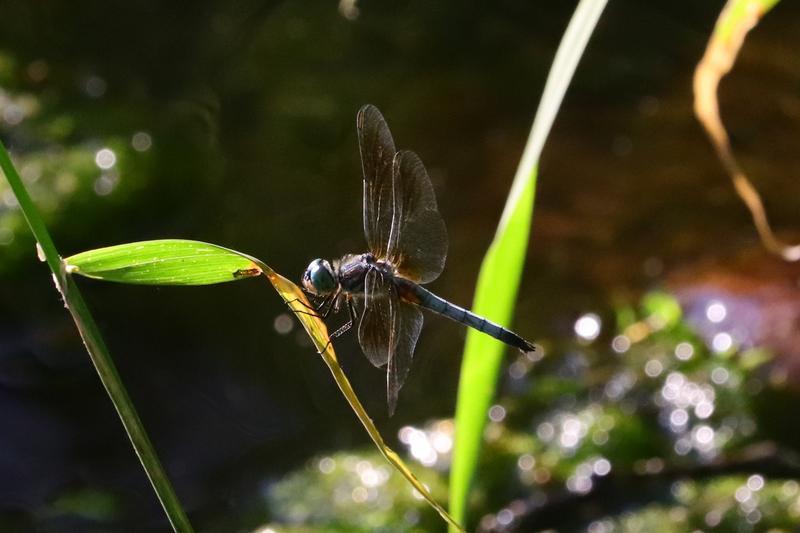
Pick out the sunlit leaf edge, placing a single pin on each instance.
(164, 262)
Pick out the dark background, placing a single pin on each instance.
(251, 108)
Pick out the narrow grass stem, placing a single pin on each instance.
(98, 352)
(501, 269)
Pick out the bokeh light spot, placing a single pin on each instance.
(722, 342)
(526, 462)
(505, 517)
(497, 413)
(105, 158)
(620, 344)
(653, 368)
(684, 351)
(755, 482)
(716, 312)
(283, 324)
(141, 141)
(326, 465)
(95, 86)
(720, 375)
(13, 114)
(587, 327)
(602, 467)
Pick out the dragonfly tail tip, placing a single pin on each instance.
(528, 348)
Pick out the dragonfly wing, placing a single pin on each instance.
(377, 156)
(400, 361)
(377, 325)
(388, 332)
(418, 237)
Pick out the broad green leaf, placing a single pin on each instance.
(494, 298)
(501, 269)
(163, 262)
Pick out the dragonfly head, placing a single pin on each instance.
(319, 278)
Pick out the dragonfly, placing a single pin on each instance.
(407, 241)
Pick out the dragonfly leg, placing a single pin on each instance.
(341, 331)
(312, 311)
(321, 311)
(352, 316)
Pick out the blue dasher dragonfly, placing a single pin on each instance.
(407, 240)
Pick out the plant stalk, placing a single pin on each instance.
(98, 352)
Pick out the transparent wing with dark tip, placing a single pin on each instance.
(377, 324)
(377, 156)
(417, 238)
(388, 332)
(402, 224)
(408, 329)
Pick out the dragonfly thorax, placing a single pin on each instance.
(320, 278)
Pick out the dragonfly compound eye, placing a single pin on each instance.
(319, 278)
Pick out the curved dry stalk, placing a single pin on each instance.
(736, 20)
(316, 329)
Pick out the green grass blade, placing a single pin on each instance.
(739, 12)
(98, 352)
(501, 269)
(483, 354)
(163, 262)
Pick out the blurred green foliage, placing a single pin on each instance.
(351, 491)
(89, 503)
(56, 131)
(644, 429)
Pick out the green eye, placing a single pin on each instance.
(320, 275)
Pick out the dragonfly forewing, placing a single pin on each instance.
(377, 155)
(418, 237)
